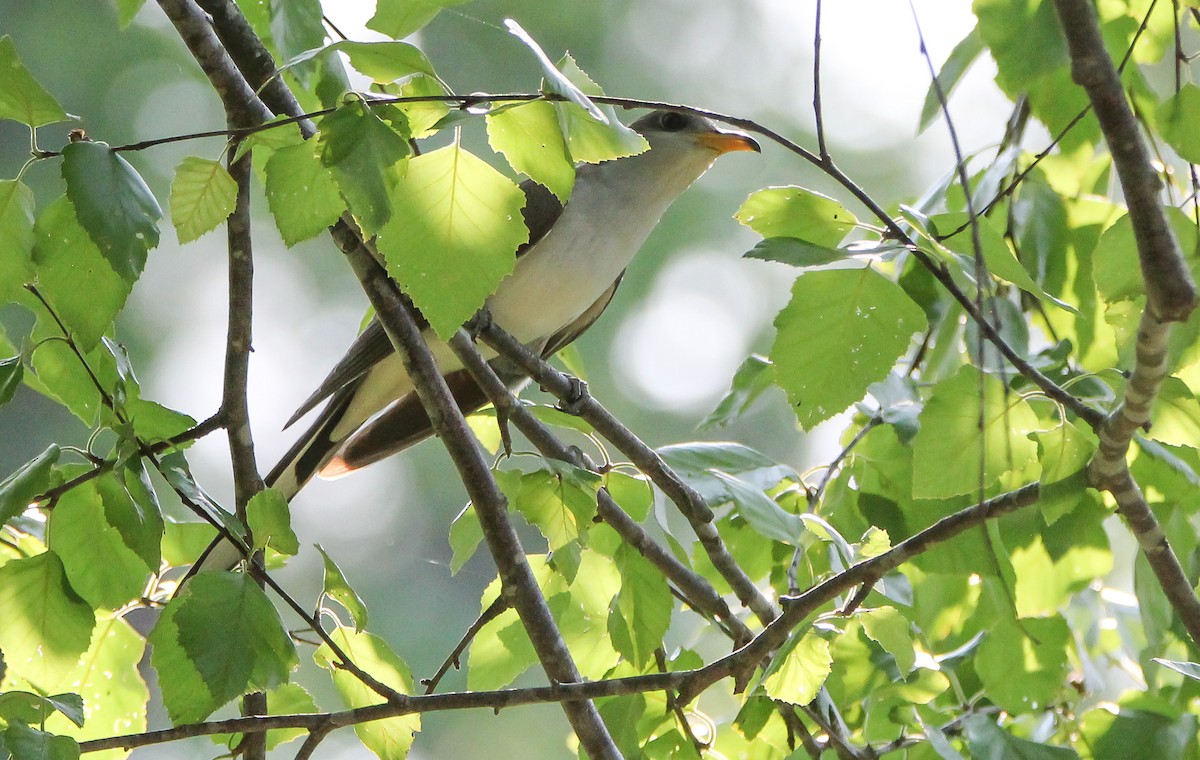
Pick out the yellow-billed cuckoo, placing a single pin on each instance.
(565, 276)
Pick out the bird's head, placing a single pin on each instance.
(677, 131)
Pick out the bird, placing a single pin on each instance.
(564, 278)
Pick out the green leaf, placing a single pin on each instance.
(1176, 414)
(998, 255)
(202, 196)
(19, 490)
(270, 522)
(590, 140)
(107, 679)
(389, 739)
(641, 611)
(1024, 667)
(455, 227)
(762, 512)
(842, 331)
(1024, 38)
(555, 80)
(1177, 117)
(950, 446)
(113, 204)
(301, 193)
(988, 741)
(296, 26)
(336, 587)
(1064, 451)
(359, 148)
(47, 626)
(890, 630)
(799, 669)
(465, 536)
(101, 567)
(1162, 734)
(220, 638)
(423, 116)
(34, 708)
(385, 62)
(699, 462)
(74, 277)
(127, 10)
(749, 382)
(16, 230)
(1189, 669)
(400, 18)
(794, 252)
(957, 63)
(796, 213)
(531, 140)
(559, 503)
(632, 493)
(27, 743)
(21, 97)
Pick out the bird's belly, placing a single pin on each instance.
(564, 274)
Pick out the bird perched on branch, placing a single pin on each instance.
(565, 276)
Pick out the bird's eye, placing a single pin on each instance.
(673, 122)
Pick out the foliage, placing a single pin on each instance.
(942, 588)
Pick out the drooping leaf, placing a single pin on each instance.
(890, 630)
(25, 743)
(16, 230)
(68, 265)
(338, 588)
(301, 193)
(1176, 117)
(360, 149)
(400, 18)
(950, 447)
(799, 669)
(559, 503)
(383, 62)
(101, 567)
(218, 639)
(987, 740)
(957, 63)
(1023, 667)
(389, 739)
(589, 140)
(842, 331)
(530, 138)
(112, 204)
(18, 490)
(641, 611)
(751, 379)
(794, 252)
(455, 227)
(270, 522)
(21, 97)
(202, 196)
(698, 462)
(795, 212)
(47, 627)
(555, 80)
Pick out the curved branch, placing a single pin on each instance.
(689, 502)
(517, 580)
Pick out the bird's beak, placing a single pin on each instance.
(727, 141)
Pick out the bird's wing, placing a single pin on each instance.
(405, 422)
(542, 208)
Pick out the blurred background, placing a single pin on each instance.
(689, 312)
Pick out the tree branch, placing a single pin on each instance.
(1170, 296)
(690, 503)
(698, 593)
(1170, 291)
(518, 582)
